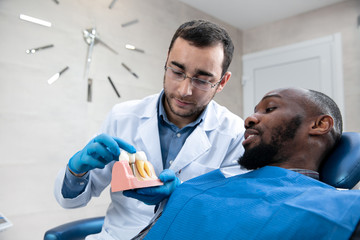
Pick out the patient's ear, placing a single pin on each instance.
(321, 125)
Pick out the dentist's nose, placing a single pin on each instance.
(185, 88)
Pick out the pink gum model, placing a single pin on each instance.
(124, 179)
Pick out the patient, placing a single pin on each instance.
(286, 139)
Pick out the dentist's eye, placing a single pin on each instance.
(178, 73)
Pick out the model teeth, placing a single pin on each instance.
(124, 156)
(144, 167)
(131, 158)
(140, 166)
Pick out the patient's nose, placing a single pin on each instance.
(251, 120)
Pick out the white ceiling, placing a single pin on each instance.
(245, 14)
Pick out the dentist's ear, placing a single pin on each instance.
(321, 125)
(223, 82)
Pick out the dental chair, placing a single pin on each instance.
(75, 230)
(340, 170)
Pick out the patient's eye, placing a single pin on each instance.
(270, 109)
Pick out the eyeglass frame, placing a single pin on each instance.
(192, 78)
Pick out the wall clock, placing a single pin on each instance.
(92, 38)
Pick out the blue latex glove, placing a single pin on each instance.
(97, 153)
(154, 195)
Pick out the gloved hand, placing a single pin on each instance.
(154, 195)
(97, 153)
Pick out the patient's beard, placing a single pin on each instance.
(268, 154)
(259, 156)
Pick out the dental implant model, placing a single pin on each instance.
(133, 171)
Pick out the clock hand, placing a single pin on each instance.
(131, 47)
(103, 43)
(89, 37)
(112, 84)
(130, 23)
(33, 50)
(35, 20)
(57, 75)
(89, 90)
(112, 4)
(127, 68)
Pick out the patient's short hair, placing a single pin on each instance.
(325, 105)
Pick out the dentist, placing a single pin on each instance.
(181, 128)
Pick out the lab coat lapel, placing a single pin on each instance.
(198, 142)
(149, 134)
(195, 146)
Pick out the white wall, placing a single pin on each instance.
(342, 18)
(42, 125)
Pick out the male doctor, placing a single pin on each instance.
(181, 129)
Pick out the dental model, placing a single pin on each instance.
(133, 171)
(144, 167)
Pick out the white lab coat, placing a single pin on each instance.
(215, 143)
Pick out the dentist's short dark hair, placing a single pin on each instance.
(203, 33)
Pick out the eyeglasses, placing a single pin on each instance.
(196, 82)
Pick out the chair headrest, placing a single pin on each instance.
(342, 168)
